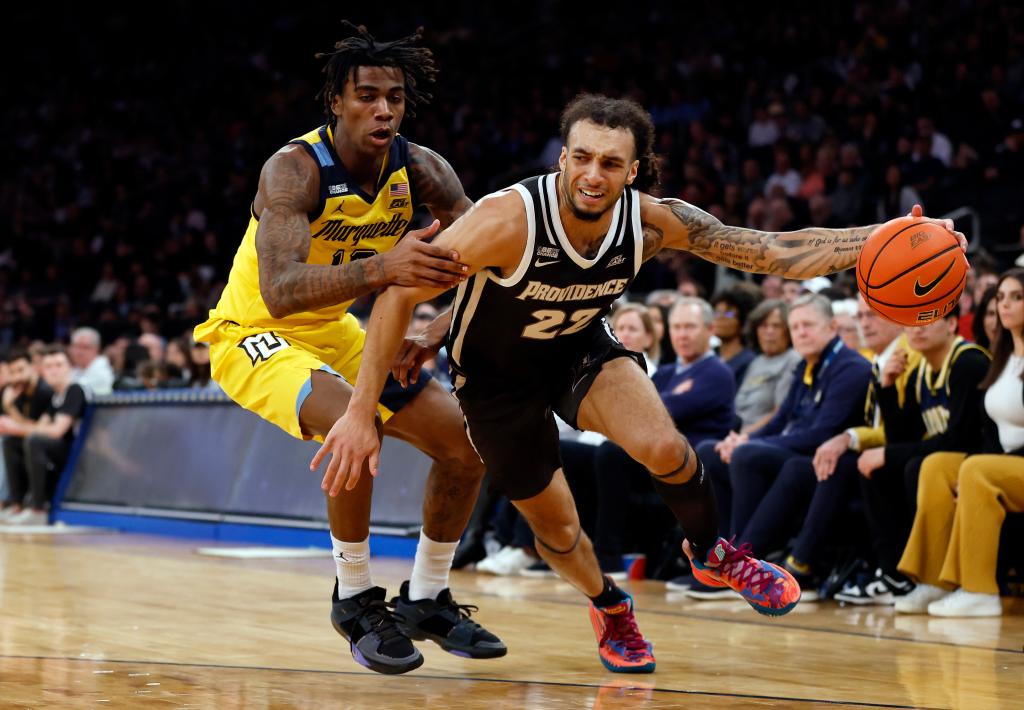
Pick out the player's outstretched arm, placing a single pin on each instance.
(492, 234)
(288, 191)
(815, 251)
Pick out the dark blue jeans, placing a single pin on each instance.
(796, 495)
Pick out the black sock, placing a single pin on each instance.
(693, 504)
(611, 594)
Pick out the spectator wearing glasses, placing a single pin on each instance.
(731, 307)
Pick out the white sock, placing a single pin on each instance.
(430, 568)
(353, 562)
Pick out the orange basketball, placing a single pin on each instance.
(911, 271)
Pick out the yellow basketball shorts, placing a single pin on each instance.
(269, 371)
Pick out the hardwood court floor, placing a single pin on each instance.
(124, 621)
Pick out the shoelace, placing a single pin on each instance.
(738, 564)
(462, 611)
(623, 628)
(381, 617)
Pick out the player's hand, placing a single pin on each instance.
(352, 441)
(947, 224)
(870, 461)
(894, 367)
(828, 454)
(413, 262)
(420, 348)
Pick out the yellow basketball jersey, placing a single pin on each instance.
(347, 224)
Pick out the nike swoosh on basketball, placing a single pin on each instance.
(920, 290)
(545, 263)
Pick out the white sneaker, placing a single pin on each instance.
(964, 603)
(7, 513)
(28, 516)
(509, 561)
(918, 600)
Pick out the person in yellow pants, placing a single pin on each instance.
(963, 500)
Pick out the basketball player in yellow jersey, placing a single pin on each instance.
(329, 224)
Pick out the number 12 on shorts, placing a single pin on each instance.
(549, 323)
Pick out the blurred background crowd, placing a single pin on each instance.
(133, 157)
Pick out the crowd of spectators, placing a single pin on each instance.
(130, 179)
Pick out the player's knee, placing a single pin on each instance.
(559, 538)
(668, 454)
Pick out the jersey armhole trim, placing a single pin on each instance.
(531, 240)
(638, 233)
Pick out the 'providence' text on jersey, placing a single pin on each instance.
(539, 319)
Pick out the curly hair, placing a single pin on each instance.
(362, 50)
(618, 113)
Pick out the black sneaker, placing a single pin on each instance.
(883, 590)
(376, 641)
(447, 624)
(809, 584)
(680, 583)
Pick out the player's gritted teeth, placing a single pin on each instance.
(590, 197)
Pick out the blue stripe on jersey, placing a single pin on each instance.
(323, 154)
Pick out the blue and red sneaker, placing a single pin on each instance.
(620, 644)
(766, 587)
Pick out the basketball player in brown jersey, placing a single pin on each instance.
(527, 339)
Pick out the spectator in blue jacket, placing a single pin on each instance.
(826, 397)
(698, 389)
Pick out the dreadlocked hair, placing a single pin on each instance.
(618, 113)
(362, 50)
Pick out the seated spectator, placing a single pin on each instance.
(25, 400)
(826, 396)
(92, 370)
(845, 311)
(985, 326)
(962, 500)
(942, 402)
(767, 380)
(199, 367)
(698, 391)
(633, 326)
(731, 307)
(35, 466)
(824, 485)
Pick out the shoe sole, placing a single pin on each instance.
(646, 668)
(967, 614)
(774, 611)
(460, 651)
(862, 601)
(386, 669)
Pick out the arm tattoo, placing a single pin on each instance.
(436, 185)
(287, 284)
(802, 254)
(653, 237)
